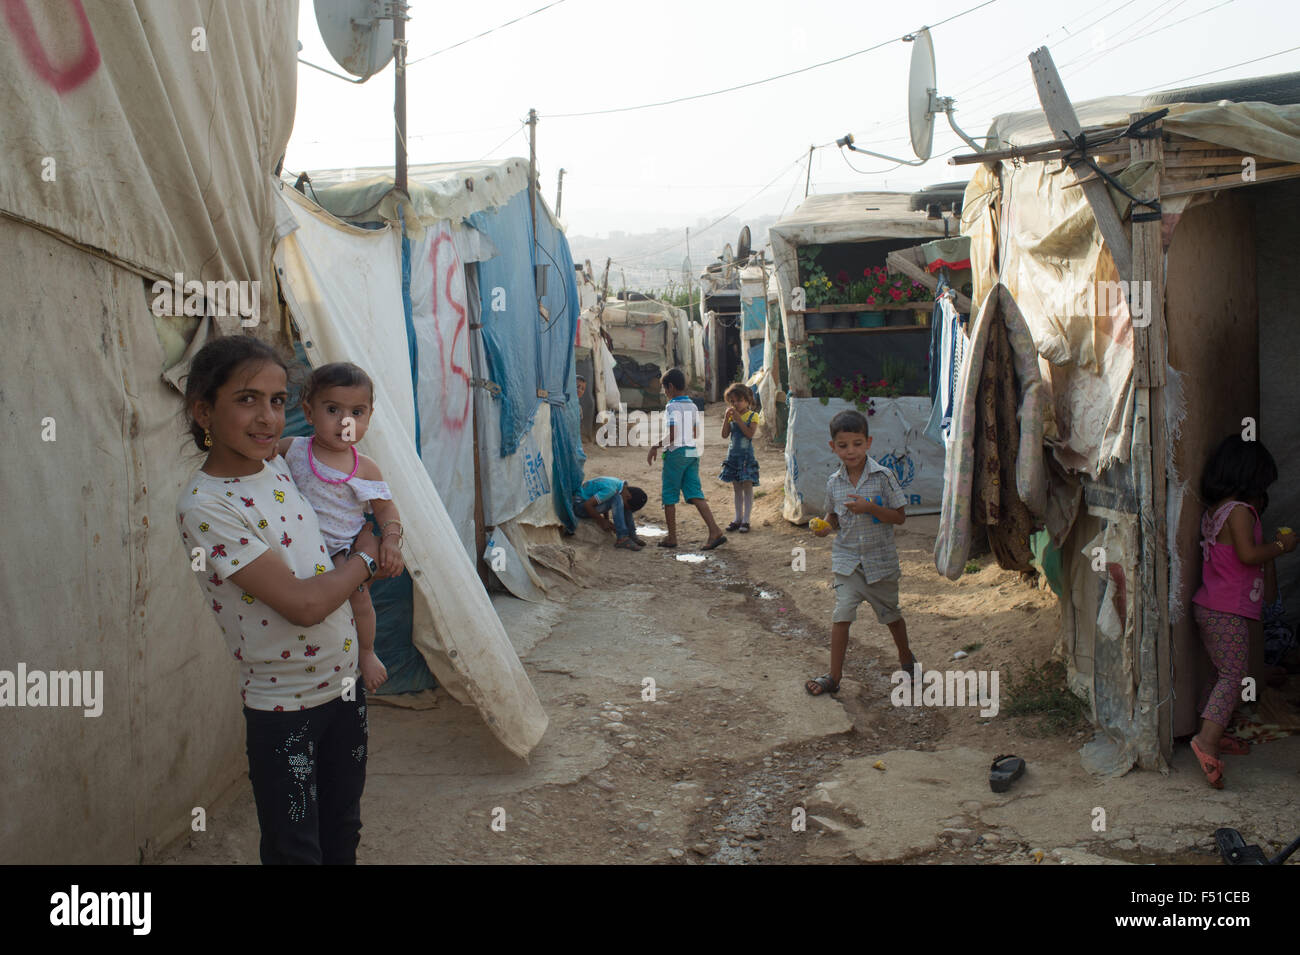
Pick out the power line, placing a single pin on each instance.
(1221, 69)
(770, 79)
(494, 29)
(784, 170)
(512, 135)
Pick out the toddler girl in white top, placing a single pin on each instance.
(341, 484)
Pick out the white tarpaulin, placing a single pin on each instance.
(126, 139)
(343, 286)
(897, 441)
(440, 314)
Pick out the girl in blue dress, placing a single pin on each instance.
(740, 469)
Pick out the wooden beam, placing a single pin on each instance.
(911, 263)
(1149, 343)
(1233, 181)
(1061, 119)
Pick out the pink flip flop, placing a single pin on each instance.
(1213, 768)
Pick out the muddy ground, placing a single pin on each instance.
(732, 753)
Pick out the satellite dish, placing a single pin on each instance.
(742, 244)
(727, 255)
(920, 89)
(357, 34)
(923, 103)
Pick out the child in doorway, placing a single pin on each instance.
(340, 483)
(864, 500)
(681, 476)
(1235, 565)
(740, 469)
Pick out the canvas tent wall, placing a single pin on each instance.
(471, 290)
(649, 337)
(1136, 406)
(118, 176)
(887, 222)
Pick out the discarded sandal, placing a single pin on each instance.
(823, 684)
(1004, 771)
(1213, 768)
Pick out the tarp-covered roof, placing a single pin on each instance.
(855, 217)
(1259, 117)
(439, 191)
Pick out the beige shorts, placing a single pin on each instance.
(852, 589)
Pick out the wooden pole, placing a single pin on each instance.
(1150, 360)
(532, 171)
(807, 179)
(559, 195)
(399, 95)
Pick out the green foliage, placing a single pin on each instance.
(972, 567)
(1043, 691)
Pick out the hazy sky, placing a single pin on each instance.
(672, 166)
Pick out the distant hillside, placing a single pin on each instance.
(653, 260)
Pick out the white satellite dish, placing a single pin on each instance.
(357, 33)
(923, 102)
(920, 87)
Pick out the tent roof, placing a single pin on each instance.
(856, 217)
(439, 191)
(1257, 116)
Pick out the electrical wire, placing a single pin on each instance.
(1221, 69)
(494, 29)
(512, 135)
(721, 218)
(770, 79)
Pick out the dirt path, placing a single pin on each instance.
(732, 750)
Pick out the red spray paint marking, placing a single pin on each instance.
(62, 79)
(452, 419)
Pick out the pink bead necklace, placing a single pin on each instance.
(311, 460)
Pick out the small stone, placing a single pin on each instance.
(700, 848)
(959, 837)
(643, 827)
(959, 655)
(753, 834)
(630, 744)
(602, 783)
(734, 843)
(719, 828)
(676, 853)
(992, 838)
(615, 727)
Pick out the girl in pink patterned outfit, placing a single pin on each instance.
(1232, 584)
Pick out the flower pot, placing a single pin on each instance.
(897, 318)
(870, 319)
(815, 323)
(842, 320)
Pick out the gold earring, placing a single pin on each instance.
(207, 438)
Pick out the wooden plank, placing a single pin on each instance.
(882, 330)
(1061, 118)
(1149, 343)
(1234, 181)
(864, 307)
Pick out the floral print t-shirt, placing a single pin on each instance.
(236, 520)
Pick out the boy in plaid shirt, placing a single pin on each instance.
(864, 502)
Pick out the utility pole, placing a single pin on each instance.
(532, 169)
(559, 194)
(808, 178)
(399, 9)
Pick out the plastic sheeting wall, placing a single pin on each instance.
(898, 442)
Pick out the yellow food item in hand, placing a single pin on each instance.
(817, 524)
(1285, 530)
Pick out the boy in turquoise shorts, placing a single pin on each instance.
(681, 476)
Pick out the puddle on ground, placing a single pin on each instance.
(743, 587)
(691, 558)
(644, 531)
